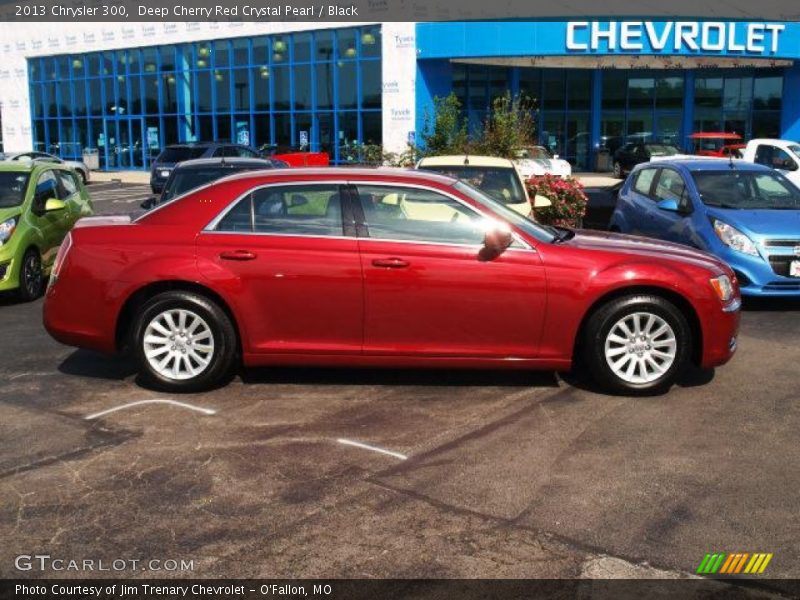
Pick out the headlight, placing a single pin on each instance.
(7, 227)
(723, 287)
(733, 238)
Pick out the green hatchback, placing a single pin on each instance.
(39, 204)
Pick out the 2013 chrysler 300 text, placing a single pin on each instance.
(382, 268)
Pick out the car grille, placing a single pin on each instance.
(781, 253)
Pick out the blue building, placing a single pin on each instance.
(599, 83)
(125, 90)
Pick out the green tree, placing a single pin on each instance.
(509, 126)
(444, 132)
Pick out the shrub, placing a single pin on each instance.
(509, 127)
(444, 132)
(567, 196)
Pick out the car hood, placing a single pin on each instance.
(7, 213)
(767, 223)
(644, 247)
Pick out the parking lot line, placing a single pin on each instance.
(200, 409)
(372, 448)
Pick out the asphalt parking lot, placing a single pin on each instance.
(362, 473)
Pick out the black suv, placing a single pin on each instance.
(634, 153)
(172, 155)
(191, 174)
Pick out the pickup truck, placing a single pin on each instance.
(782, 155)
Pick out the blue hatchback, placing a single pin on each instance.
(746, 214)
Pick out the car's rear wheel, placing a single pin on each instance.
(637, 344)
(184, 342)
(31, 276)
(618, 173)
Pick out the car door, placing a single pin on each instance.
(426, 291)
(281, 254)
(639, 201)
(663, 222)
(51, 225)
(69, 192)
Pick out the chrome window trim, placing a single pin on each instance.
(211, 227)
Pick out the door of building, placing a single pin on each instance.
(127, 143)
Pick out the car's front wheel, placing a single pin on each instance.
(31, 276)
(637, 344)
(184, 342)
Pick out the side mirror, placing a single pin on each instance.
(149, 203)
(670, 205)
(496, 240)
(54, 204)
(541, 202)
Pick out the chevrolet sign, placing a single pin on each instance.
(680, 37)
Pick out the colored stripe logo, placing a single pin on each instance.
(737, 563)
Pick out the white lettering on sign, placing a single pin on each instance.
(677, 36)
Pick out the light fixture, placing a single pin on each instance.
(279, 45)
(350, 52)
(201, 63)
(77, 63)
(203, 51)
(368, 38)
(120, 78)
(277, 57)
(264, 72)
(150, 68)
(171, 79)
(218, 76)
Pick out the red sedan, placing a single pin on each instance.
(382, 268)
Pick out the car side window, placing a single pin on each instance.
(219, 152)
(411, 214)
(314, 210)
(69, 184)
(644, 181)
(46, 188)
(243, 152)
(670, 186)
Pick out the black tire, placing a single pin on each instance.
(31, 276)
(221, 359)
(619, 173)
(599, 327)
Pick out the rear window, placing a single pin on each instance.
(500, 183)
(662, 150)
(180, 153)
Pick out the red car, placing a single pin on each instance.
(720, 145)
(296, 157)
(384, 268)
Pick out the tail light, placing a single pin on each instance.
(60, 258)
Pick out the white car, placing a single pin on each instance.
(536, 161)
(498, 178)
(79, 166)
(782, 155)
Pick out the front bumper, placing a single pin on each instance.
(720, 336)
(758, 277)
(9, 272)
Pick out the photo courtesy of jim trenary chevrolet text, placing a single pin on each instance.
(355, 299)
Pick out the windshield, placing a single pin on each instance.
(501, 183)
(12, 188)
(516, 219)
(185, 180)
(180, 153)
(535, 153)
(795, 149)
(662, 150)
(746, 190)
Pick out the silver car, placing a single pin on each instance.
(79, 166)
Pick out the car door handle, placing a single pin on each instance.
(390, 263)
(237, 255)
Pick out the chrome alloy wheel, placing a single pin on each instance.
(640, 347)
(178, 344)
